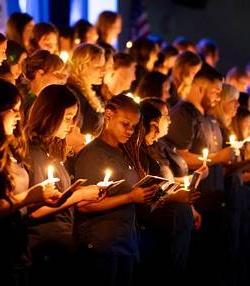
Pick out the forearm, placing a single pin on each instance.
(191, 159)
(107, 203)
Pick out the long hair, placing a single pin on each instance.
(105, 20)
(9, 145)
(181, 69)
(82, 57)
(228, 92)
(40, 30)
(132, 147)
(242, 114)
(45, 117)
(15, 26)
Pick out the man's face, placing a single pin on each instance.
(211, 94)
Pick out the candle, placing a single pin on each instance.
(235, 144)
(51, 179)
(204, 157)
(107, 176)
(88, 138)
(186, 183)
(129, 45)
(64, 56)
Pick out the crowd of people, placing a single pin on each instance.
(72, 107)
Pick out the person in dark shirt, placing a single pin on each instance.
(191, 131)
(106, 231)
(51, 229)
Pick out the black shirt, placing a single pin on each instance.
(191, 130)
(54, 228)
(113, 230)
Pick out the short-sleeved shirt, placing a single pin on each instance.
(54, 228)
(193, 131)
(114, 230)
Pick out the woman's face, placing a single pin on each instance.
(120, 124)
(158, 128)
(67, 122)
(3, 47)
(49, 42)
(245, 127)
(115, 29)
(91, 36)
(16, 69)
(11, 118)
(230, 107)
(94, 72)
(27, 33)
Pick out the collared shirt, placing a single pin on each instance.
(113, 230)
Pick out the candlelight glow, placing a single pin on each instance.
(107, 176)
(64, 56)
(88, 138)
(129, 45)
(136, 99)
(186, 182)
(205, 154)
(232, 139)
(50, 172)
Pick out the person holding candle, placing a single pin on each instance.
(50, 229)
(15, 196)
(191, 130)
(166, 231)
(106, 231)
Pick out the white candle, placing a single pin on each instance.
(205, 154)
(186, 183)
(88, 138)
(232, 140)
(50, 172)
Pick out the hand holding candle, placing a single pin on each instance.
(106, 182)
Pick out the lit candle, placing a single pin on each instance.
(186, 183)
(236, 145)
(107, 176)
(88, 138)
(64, 56)
(136, 99)
(129, 45)
(204, 157)
(51, 179)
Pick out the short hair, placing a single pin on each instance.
(207, 46)
(123, 60)
(208, 73)
(236, 73)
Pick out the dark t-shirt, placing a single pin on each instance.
(28, 101)
(114, 230)
(191, 130)
(54, 228)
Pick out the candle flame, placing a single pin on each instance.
(50, 172)
(64, 56)
(232, 139)
(107, 176)
(205, 153)
(186, 182)
(88, 138)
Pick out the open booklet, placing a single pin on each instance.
(68, 192)
(166, 187)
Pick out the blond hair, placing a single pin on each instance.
(82, 56)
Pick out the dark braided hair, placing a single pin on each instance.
(132, 147)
